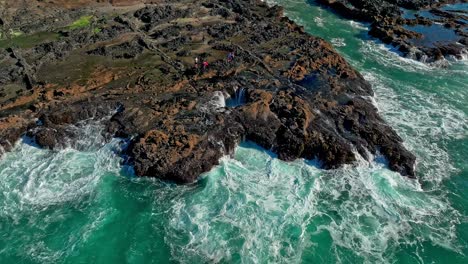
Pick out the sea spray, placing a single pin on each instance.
(43, 187)
(271, 210)
(238, 99)
(218, 100)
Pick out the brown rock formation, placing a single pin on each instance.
(136, 73)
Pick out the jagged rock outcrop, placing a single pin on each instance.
(395, 22)
(137, 73)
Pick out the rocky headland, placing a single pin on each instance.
(424, 30)
(131, 64)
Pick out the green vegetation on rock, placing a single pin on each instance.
(16, 33)
(28, 41)
(12, 33)
(83, 21)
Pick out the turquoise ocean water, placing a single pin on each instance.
(79, 205)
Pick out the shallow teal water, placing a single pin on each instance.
(81, 206)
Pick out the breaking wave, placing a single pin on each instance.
(40, 188)
(255, 209)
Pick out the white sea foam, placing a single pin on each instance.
(319, 21)
(218, 100)
(35, 180)
(422, 119)
(338, 42)
(240, 207)
(258, 209)
(51, 177)
(38, 186)
(390, 56)
(387, 55)
(358, 25)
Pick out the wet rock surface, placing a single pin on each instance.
(424, 30)
(137, 74)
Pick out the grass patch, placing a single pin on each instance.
(12, 33)
(83, 21)
(16, 33)
(96, 30)
(28, 41)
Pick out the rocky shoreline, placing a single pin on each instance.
(131, 64)
(426, 31)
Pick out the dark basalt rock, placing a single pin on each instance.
(390, 26)
(126, 50)
(11, 130)
(156, 14)
(302, 99)
(55, 128)
(183, 151)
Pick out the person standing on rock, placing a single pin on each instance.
(205, 65)
(196, 62)
(230, 56)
